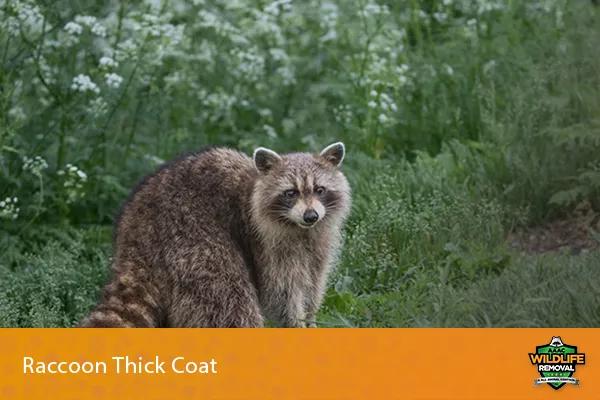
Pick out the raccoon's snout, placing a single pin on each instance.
(310, 216)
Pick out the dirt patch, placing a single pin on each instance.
(572, 232)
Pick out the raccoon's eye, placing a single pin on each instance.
(290, 193)
(320, 190)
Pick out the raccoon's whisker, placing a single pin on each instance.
(278, 207)
(278, 215)
(279, 210)
(284, 221)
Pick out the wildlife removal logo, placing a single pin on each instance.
(556, 363)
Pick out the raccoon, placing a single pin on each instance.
(218, 239)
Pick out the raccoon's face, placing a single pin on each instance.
(301, 189)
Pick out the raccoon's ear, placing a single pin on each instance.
(334, 153)
(265, 159)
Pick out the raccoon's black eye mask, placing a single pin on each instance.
(290, 193)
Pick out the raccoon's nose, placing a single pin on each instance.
(310, 216)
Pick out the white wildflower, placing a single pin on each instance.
(108, 62)
(287, 74)
(219, 25)
(277, 6)
(343, 114)
(75, 179)
(113, 80)
(270, 130)
(83, 83)
(265, 112)
(9, 208)
(440, 17)
(125, 50)
(98, 30)
(249, 64)
(35, 165)
(278, 54)
(26, 17)
(155, 5)
(17, 113)
(372, 9)
(74, 28)
(86, 20)
(489, 66)
(329, 19)
(98, 107)
(382, 105)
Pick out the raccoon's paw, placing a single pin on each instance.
(296, 323)
(300, 324)
(311, 321)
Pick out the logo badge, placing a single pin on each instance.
(556, 363)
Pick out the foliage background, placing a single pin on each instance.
(464, 119)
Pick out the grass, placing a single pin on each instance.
(451, 287)
(461, 124)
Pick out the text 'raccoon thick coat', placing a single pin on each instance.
(219, 239)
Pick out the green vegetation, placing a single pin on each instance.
(463, 120)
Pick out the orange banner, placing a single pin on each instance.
(299, 364)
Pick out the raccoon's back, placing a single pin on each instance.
(202, 194)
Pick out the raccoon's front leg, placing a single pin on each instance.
(313, 300)
(291, 311)
(284, 305)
